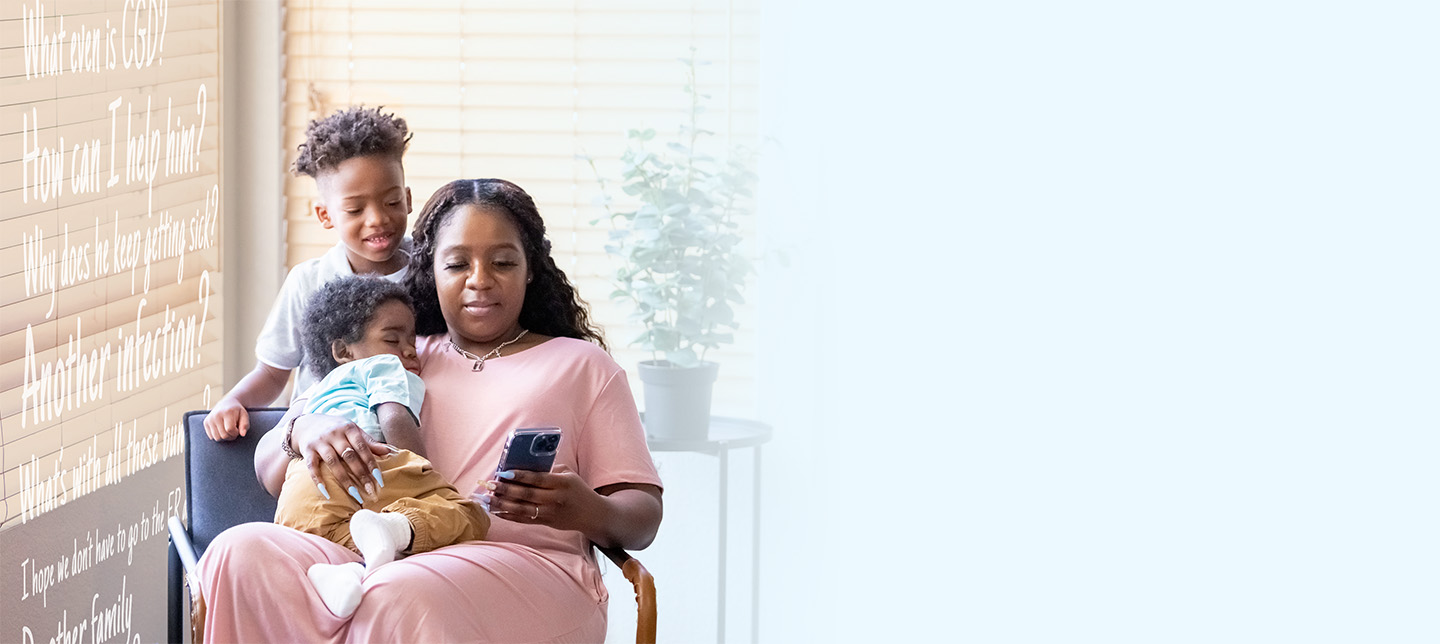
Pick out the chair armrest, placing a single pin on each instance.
(644, 583)
(616, 555)
(181, 538)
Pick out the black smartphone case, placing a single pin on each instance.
(530, 449)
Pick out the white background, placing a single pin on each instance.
(1106, 321)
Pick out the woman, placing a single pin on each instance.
(508, 344)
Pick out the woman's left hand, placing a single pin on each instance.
(559, 499)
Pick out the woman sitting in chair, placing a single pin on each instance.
(506, 344)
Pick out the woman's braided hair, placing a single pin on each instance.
(552, 305)
(349, 133)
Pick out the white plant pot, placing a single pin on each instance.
(677, 399)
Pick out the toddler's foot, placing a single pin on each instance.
(338, 585)
(380, 535)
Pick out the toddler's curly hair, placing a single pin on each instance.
(349, 133)
(340, 310)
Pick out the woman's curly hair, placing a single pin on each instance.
(552, 305)
(349, 133)
(340, 310)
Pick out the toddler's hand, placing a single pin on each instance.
(227, 421)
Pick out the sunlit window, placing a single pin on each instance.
(521, 91)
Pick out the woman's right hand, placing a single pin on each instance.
(349, 454)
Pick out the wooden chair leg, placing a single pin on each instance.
(197, 620)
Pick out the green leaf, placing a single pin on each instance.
(643, 338)
(690, 327)
(664, 338)
(683, 357)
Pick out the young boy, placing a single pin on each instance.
(354, 156)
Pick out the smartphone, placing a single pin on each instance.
(531, 449)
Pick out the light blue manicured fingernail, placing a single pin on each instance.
(356, 493)
(378, 477)
(507, 474)
(323, 492)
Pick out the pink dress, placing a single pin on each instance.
(525, 583)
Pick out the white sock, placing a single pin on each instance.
(338, 586)
(379, 535)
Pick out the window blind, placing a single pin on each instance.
(517, 90)
(109, 256)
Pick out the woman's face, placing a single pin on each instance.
(480, 274)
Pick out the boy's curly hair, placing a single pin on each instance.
(340, 310)
(349, 133)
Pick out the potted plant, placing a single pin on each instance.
(682, 268)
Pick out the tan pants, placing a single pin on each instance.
(439, 514)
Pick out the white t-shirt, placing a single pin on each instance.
(279, 343)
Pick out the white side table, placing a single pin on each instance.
(727, 434)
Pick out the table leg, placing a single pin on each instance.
(724, 529)
(755, 557)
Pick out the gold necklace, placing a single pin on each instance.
(494, 353)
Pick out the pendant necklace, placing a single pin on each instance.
(494, 353)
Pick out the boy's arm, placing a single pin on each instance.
(399, 426)
(279, 343)
(261, 386)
